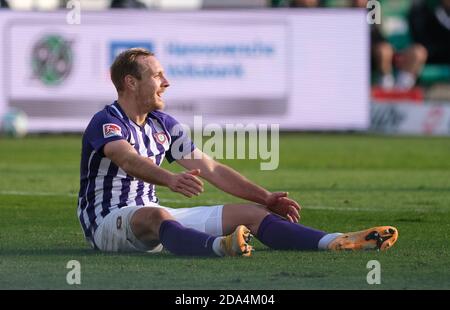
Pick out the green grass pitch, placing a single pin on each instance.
(344, 183)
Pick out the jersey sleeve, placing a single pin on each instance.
(180, 142)
(105, 128)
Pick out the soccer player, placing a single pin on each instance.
(122, 151)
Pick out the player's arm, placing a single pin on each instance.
(234, 183)
(125, 156)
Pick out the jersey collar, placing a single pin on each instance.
(117, 110)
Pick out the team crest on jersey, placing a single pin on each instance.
(111, 130)
(160, 137)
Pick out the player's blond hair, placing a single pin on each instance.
(126, 64)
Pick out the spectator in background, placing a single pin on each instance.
(127, 4)
(408, 62)
(305, 3)
(4, 4)
(295, 3)
(430, 28)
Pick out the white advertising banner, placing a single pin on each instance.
(301, 69)
(411, 119)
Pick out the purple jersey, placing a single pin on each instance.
(103, 185)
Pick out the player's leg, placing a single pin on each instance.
(148, 229)
(281, 234)
(114, 233)
(156, 224)
(277, 233)
(270, 229)
(208, 219)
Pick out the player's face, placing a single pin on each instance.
(152, 84)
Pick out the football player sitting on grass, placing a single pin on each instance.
(123, 148)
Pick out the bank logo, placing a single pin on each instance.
(52, 59)
(117, 47)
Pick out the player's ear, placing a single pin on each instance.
(130, 82)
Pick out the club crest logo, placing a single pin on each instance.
(111, 130)
(160, 137)
(52, 59)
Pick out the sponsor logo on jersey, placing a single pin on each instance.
(111, 130)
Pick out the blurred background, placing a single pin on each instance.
(319, 65)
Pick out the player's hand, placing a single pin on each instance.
(186, 183)
(280, 204)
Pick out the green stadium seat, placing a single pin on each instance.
(279, 3)
(336, 3)
(435, 73)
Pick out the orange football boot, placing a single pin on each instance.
(236, 243)
(376, 238)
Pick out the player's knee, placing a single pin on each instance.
(260, 211)
(249, 215)
(255, 215)
(147, 221)
(159, 215)
(247, 212)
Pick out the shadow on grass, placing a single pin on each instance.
(77, 252)
(164, 255)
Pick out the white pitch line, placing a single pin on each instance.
(342, 209)
(309, 208)
(25, 193)
(164, 202)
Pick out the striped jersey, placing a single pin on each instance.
(103, 185)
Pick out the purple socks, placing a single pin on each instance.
(185, 241)
(273, 231)
(280, 234)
